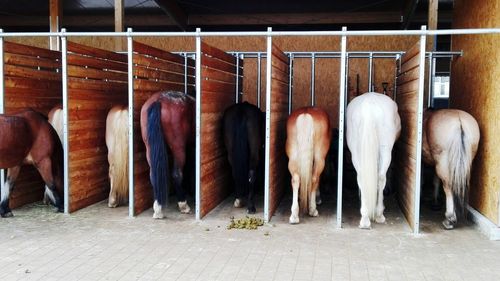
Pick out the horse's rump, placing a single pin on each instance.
(16, 139)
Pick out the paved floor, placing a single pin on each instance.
(98, 243)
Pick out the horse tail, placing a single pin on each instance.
(120, 156)
(240, 154)
(368, 164)
(56, 120)
(157, 153)
(305, 127)
(459, 163)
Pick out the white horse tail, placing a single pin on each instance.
(368, 164)
(305, 125)
(56, 120)
(120, 156)
(459, 164)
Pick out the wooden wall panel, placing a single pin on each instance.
(97, 80)
(475, 89)
(405, 158)
(32, 80)
(155, 70)
(217, 94)
(279, 114)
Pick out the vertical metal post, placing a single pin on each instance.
(185, 73)
(433, 76)
(313, 70)
(236, 97)
(420, 110)
(431, 80)
(346, 88)
(2, 95)
(130, 70)
(290, 84)
(398, 67)
(198, 126)
(341, 127)
(64, 66)
(258, 79)
(370, 69)
(268, 126)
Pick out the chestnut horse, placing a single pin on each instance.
(243, 139)
(307, 143)
(28, 138)
(450, 141)
(167, 125)
(372, 127)
(117, 144)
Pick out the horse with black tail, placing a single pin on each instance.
(243, 138)
(167, 127)
(28, 138)
(450, 142)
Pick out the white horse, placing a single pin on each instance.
(373, 125)
(450, 141)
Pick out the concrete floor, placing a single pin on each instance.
(99, 243)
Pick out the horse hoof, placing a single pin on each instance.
(364, 223)
(184, 207)
(7, 215)
(448, 225)
(294, 219)
(158, 216)
(251, 210)
(380, 219)
(313, 213)
(237, 203)
(112, 205)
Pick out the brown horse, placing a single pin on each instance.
(450, 142)
(28, 138)
(167, 125)
(307, 143)
(117, 144)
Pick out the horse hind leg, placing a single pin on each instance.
(177, 176)
(45, 169)
(319, 165)
(294, 217)
(112, 202)
(252, 175)
(385, 162)
(12, 174)
(450, 216)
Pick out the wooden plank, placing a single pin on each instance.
(216, 86)
(411, 64)
(18, 71)
(27, 61)
(159, 64)
(408, 76)
(147, 85)
(20, 49)
(217, 64)
(408, 87)
(96, 74)
(144, 49)
(411, 53)
(30, 83)
(280, 76)
(148, 73)
(79, 60)
(217, 53)
(277, 53)
(276, 64)
(98, 85)
(215, 74)
(95, 52)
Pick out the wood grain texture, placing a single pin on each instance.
(475, 89)
(32, 80)
(406, 147)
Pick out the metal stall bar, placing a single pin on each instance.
(346, 88)
(431, 80)
(268, 125)
(290, 83)
(130, 62)
(313, 70)
(418, 168)
(340, 165)
(2, 96)
(370, 70)
(236, 95)
(258, 79)
(398, 60)
(64, 52)
(185, 73)
(198, 125)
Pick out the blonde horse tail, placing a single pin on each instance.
(459, 164)
(56, 120)
(120, 156)
(305, 127)
(368, 172)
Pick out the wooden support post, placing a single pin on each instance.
(432, 23)
(119, 24)
(55, 19)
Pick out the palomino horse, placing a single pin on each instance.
(117, 144)
(450, 141)
(373, 125)
(167, 118)
(243, 139)
(56, 120)
(27, 138)
(307, 143)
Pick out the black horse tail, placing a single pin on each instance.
(157, 153)
(240, 155)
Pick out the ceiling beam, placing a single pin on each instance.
(55, 18)
(119, 24)
(408, 12)
(175, 12)
(432, 23)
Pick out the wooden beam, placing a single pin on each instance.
(409, 11)
(55, 19)
(432, 23)
(175, 12)
(119, 24)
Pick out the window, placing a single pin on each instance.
(441, 87)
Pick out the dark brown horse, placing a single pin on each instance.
(28, 138)
(243, 123)
(167, 126)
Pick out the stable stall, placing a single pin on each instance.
(31, 79)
